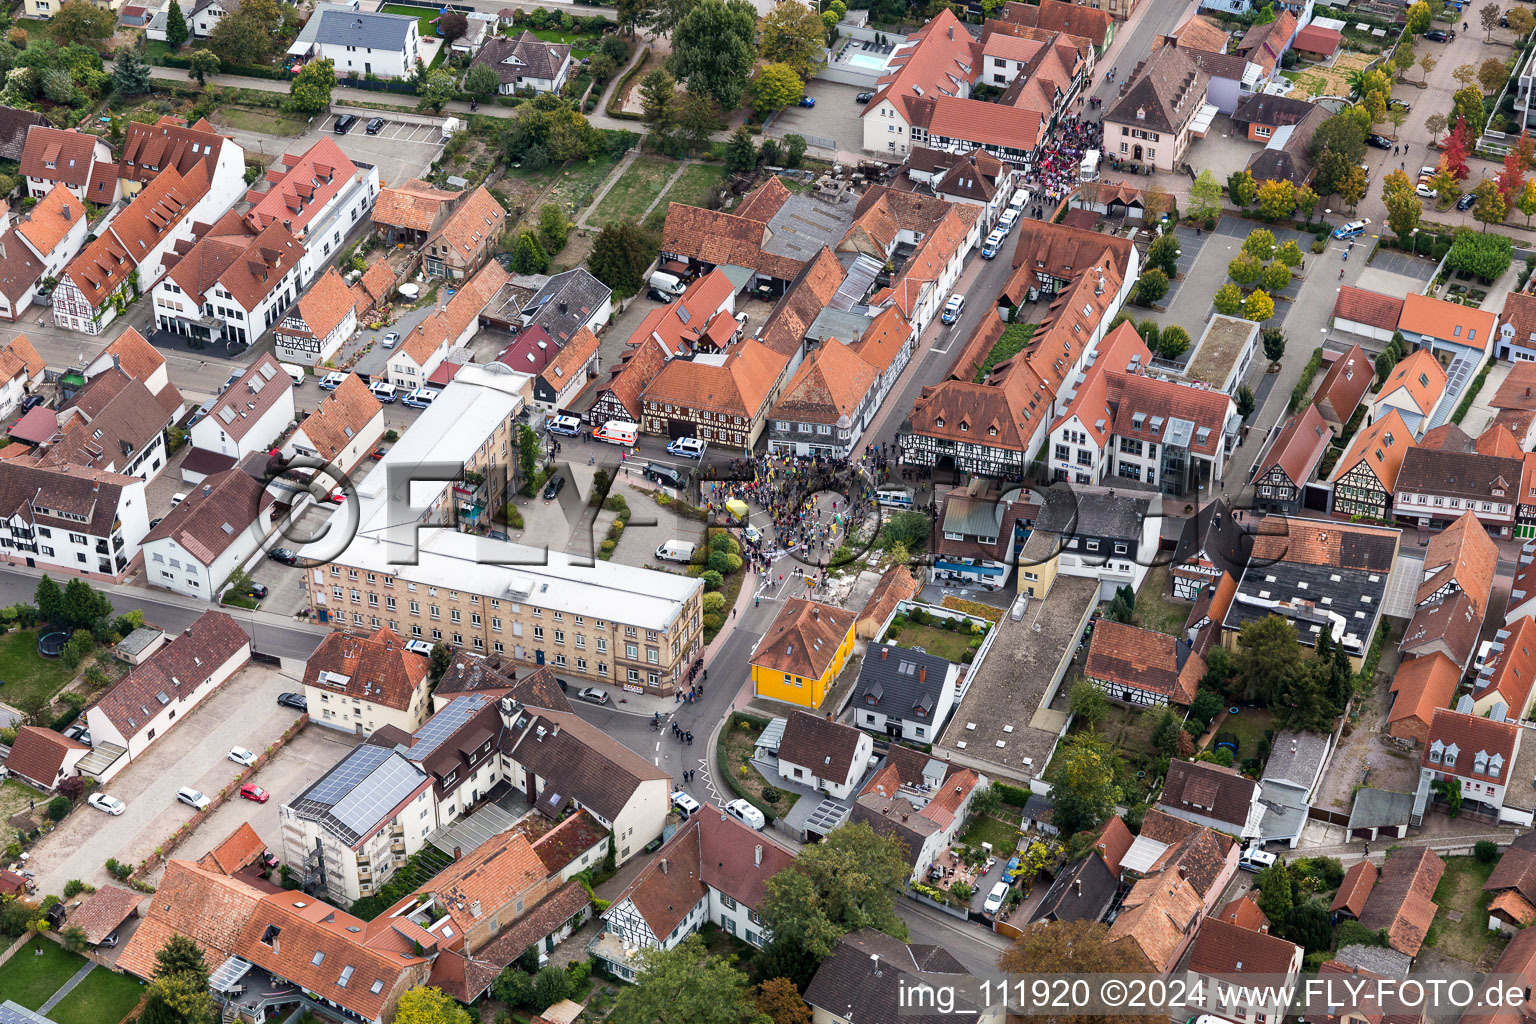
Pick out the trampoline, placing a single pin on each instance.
(50, 644)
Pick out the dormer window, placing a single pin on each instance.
(1450, 755)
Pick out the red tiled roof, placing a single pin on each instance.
(804, 638)
(1381, 446)
(1357, 885)
(1478, 741)
(1463, 556)
(1344, 385)
(1314, 39)
(1403, 900)
(38, 754)
(1228, 950)
(1510, 670)
(58, 154)
(1128, 656)
(376, 668)
(1298, 447)
(308, 182)
(1422, 685)
(1374, 309)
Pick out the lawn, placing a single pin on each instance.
(425, 16)
(1003, 836)
(16, 796)
(103, 997)
(951, 646)
(733, 755)
(267, 122)
(1155, 610)
(1012, 342)
(30, 979)
(577, 184)
(1249, 727)
(694, 185)
(27, 676)
(583, 44)
(635, 190)
(1461, 890)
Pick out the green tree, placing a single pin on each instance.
(1241, 188)
(79, 21)
(1173, 341)
(792, 33)
(1352, 187)
(658, 101)
(528, 256)
(554, 226)
(1269, 658)
(713, 49)
(1087, 703)
(435, 89)
(1151, 286)
(130, 76)
(180, 955)
(1289, 254)
(310, 91)
(1163, 254)
(1245, 401)
(551, 985)
(686, 985)
(1467, 103)
(633, 13)
(247, 35)
(620, 253)
(1277, 890)
(1490, 207)
(49, 600)
(1486, 256)
(1274, 343)
(1260, 243)
(176, 32)
(698, 119)
(1166, 730)
(1076, 948)
(1520, 21)
(527, 457)
(1228, 300)
(424, 1005)
(1121, 606)
(178, 999)
(740, 153)
(482, 81)
(514, 987)
(776, 85)
(1205, 196)
(203, 63)
(1276, 277)
(59, 86)
(1418, 18)
(1526, 201)
(1084, 790)
(75, 939)
(441, 658)
(846, 882)
(1492, 73)
(82, 605)
(1258, 306)
(1277, 198)
(794, 149)
(1403, 57)
(1245, 269)
(1403, 206)
(665, 15)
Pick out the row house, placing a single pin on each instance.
(1049, 258)
(407, 213)
(319, 196)
(458, 248)
(1502, 689)
(424, 348)
(129, 254)
(1365, 477)
(1091, 534)
(315, 329)
(762, 234)
(1177, 871)
(926, 238)
(1473, 753)
(567, 375)
(38, 247)
(826, 406)
(979, 535)
(1514, 403)
(71, 519)
(246, 419)
(1344, 387)
(1280, 476)
(1416, 387)
(1168, 434)
(1436, 485)
(1081, 443)
(79, 161)
(21, 371)
(977, 178)
(231, 284)
(724, 399)
(113, 425)
(171, 143)
(343, 429)
(1211, 546)
(1452, 598)
(1081, 20)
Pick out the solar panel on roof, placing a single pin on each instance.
(353, 769)
(442, 725)
(387, 786)
(227, 414)
(268, 370)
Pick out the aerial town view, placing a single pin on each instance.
(767, 511)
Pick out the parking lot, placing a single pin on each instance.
(835, 116)
(243, 713)
(400, 151)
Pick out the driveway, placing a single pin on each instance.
(243, 713)
(835, 116)
(305, 758)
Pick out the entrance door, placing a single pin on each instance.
(1136, 153)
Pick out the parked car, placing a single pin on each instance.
(192, 798)
(284, 555)
(379, 452)
(332, 381)
(293, 700)
(178, 498)
(1353, 229)
(156, 521)
(110, 940)
(746, 814)
(994, 901)
(554, 487)
(1466, 202)
(1404, 105)
(337, 496)
(257, 591)
(344, 123)
(419, 399)
(420, 647)
(1438, 35)
(807, 101)
(390, 340)
(1255, 859)
(240, 755)
(953, 308)
(1378, 141)
(565, 425)
(102, 802)
(686, 805)
(593, 694)
(375, 126)
(688, 447)
(864, 97)
(251, 791)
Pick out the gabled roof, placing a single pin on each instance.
(1316, 39)
(1344, 385)
(1264, 43)
(63, 496)
(1381, 446)
(1060, 16)
(1276, 111)
(811, 292)
(1402, 901)
(1448, 321)
(804, 638)
(1120, 351)
(1460, 474)
(1510, 669)
(1462, 556)
(1228, 950)
(364, 29)
(571, 360)
(739, 387)
(150, 149)
(182, 665)
(214, 515)
(231, 253)
(375, 668)
(245, 401)
(1146, 408)
(1198, 32)
(321, 309)
(589, 765)
(58, 154)
(39, 753)
(340, 417)
(102, 912)
(137, 357)
(826, 747)
(473, 224)
(1298, 447)
(412, 204)
(1516, 868)
(15, 124)
(1209, 790)
(206, 905)
(294, 195)
(51, 220)
(1482, 749)
(1156, 916)
(1422, 685)
(1420, 378)
(1363, 306)
(868, 974)
(235, 851)
(829, 387)
(1518, 321)
(937, 60)
(527, 56)
(1128, 656)
(1245, 913)
(1166, 90)
(18, 358)
(1357, 885)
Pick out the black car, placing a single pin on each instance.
(864, 97)
(284, 555)
(553, 488)
(257, 590)
(1378, 141)
(1438, 35)
(1466, 202)
(344, 123)
(293, 700)
(375, 126)
(156, 522)
(32, 402)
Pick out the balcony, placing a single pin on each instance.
(101, 547)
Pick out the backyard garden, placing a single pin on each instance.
(739, 776)
(1460, 928)
(37, 971)
(955, 639)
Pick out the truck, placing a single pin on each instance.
(1088, 170)
(676, 551)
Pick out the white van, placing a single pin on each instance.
(296, 372)
(1088, 170)
(618, 432)
(1019, 199)
(1009, 218)
(676, 551)
(893, 497)
(1255, 859)
(746, 814)
(666, 284)
(384, 391)
(993, 243)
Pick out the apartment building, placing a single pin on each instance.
(72, 520)
(171, 143)
(359, 683)
(214, 531)
(60, 156)
(250, 415)
(229, 283)
(318, 195)
(37, 247)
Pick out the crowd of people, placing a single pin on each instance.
(814, 503)
(1055, 174)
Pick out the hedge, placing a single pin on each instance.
(247, 70)
(1471, 395)
(615, 101)
(1299, 392)
(1013, 796)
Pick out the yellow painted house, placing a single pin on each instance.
(802, 652)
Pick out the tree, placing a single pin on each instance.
(1490, 207)
(1084, 789)
(1467, 104)
(482, 81)
(1166, 731)
(1398, 116)
(1375, 105)
(1276, 277)
(1491, 74)
(1273, 339)
(1245, 269)
(1427, 64)
(424, 1005)
(82, 605)
(1403, 57)
(1260, 243)
(1403, 205)
(1306, 201)
(740, 152)
(452, 25)
(1241, 188)
(310, 92)
(176, 32)
(780, 1002)
(1122, 606)
(1228, 299)
(713, 51)
(1205, 196)
(792, 33)
(776, 85)
(846, 882)
(514, 987)
(435, 89)
(1276, 890)
(1290, 254)
(1435, 124)
(203, 63)
(1352, 187)
(1269, 658)
(1526, 203)
(632, 13)
(75, 939)
(1444, 184)
(59, 86)
(620, 253)
(80, 21)
(1418, 18)
(248, 35)
(554, 226)
(550, 986)
(699, 119)
(130, 77)
(794, 149)
(1258, 306)
(49, 600)
(658, 101)
(1245, 401)
(528, 256)
(179, 999)
(1277, 198)
(1151, 286)
(1163, 254)
(1466, 74)
(1174, 341)
(1521, 21)
(439, 660)
(665, 15)
(180, 955)
(1490, 19)
(1343, 134)
(1087, 703)
(686, 985)
(1075, 948)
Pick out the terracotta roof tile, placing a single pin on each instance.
(804, 638)
(828, 387)
(473, 226)
(321, 309)
(1157, 916)
(1200, 33)
(376, 667)
(1519, 317)
(1510, 670)
(1167, 88)
(1357, 885)
(1127, 656)
(102, 911)
(1402, 901)
(1227, 950)
(1422, 685)
(1363, 306)
(1485, 748)
(1344, 385)
(236, 851)
(341, 415)
(184, 664)
(54, 216)
(58, 154)
(740, 386)
(214, 515)
(1244, 913)
(413, 205)
(1298, 447)
(38, 754)
(208, 907)
(571, 360)
(302, 188)
(1381, 446)
(169, 143)
(897, 585)
(1448, 321)
(1463, 557)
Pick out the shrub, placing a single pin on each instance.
(580, 971)
(550, 986)
(1486, 850)
(73, 888)
(712, 579)
(714, 601)
(713, 621)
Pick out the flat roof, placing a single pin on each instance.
(1219, 350)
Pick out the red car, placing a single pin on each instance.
(251, 791)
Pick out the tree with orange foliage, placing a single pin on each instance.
(1453, 155)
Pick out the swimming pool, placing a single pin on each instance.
(864, 60)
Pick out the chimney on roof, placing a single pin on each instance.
(759, 854)
(885, 652)
(875, 957)
(815, 612)
(922, 674)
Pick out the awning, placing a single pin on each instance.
(981, 570)
(1202, 122)
(737, 508)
